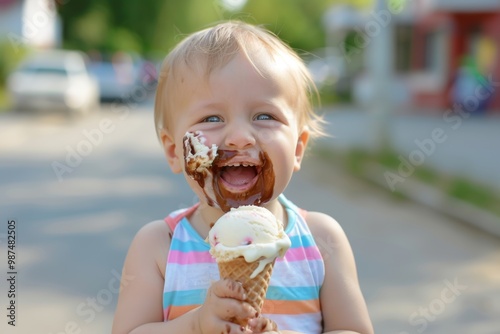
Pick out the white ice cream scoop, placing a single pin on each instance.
(251, 232)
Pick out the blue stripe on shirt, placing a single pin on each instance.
(292, 293)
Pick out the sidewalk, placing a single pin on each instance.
(450, 144)
(470, 147)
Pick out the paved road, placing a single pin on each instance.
(79, 190)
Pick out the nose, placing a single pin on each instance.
(239, 136)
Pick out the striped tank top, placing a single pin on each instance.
(292, 299)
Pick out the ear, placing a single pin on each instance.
(169, 149)
(300, 149)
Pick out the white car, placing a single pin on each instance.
(54, 80)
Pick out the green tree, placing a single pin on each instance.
(176, 19)
(154, 26)
(296, 22)
(109, 25)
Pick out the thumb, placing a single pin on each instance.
(262, 325)
(228, 288)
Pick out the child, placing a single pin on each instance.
(240, 88)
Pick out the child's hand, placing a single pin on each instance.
(262, 325)
(224, 307)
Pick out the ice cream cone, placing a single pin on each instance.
(240, 270)
(246, 242)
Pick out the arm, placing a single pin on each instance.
(140, 299)
(140, 308)
(342, 303)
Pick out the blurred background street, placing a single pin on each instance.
(411, 171)
(73, 233)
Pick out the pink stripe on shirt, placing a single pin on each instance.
(193, 257)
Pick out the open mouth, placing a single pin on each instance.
(241, 180)
(228, 178)
(239, 177)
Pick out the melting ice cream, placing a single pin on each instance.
(251, 232)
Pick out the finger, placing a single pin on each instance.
(234, 328)
(261, 325)
(228, 288)
(232, 310)
(225, 300)
(238, 312)
(219, 318)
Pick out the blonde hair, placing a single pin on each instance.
(216, 46)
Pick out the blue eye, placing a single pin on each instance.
(212, 119)
(263, 117)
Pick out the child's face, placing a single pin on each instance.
(243, 113)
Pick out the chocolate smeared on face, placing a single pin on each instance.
(192, 165)
(198, 158)
(259, 193)
(215, 173)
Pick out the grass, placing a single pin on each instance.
(473, 193)
(357, 160)
(4, 99)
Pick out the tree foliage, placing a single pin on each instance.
(154, 26)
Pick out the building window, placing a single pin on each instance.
(404, 47)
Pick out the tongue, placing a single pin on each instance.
(238, 175)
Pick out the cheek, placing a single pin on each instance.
(281, 151)
(280, 145)
(266, 136)
(276, 137)
(211, 135)
(282, 142)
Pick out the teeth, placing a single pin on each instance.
(238, 165)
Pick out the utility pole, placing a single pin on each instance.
(380, 64)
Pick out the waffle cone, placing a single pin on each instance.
(256, 288)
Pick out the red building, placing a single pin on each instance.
(446, 37)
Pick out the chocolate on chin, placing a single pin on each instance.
(259, 193)
(206, 164)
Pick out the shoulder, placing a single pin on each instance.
(155, 229)
(152, 242)
(144, 266)
(331, 241)
(342, 301)
(156, 232)
(325, 228)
